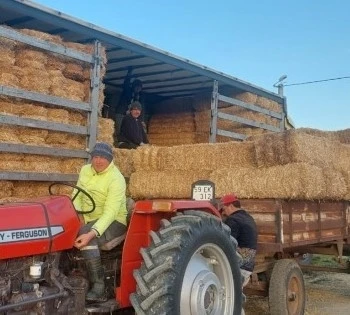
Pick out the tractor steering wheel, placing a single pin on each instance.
(79, 190)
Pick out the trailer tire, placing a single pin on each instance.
(191, 267)
(286, 289)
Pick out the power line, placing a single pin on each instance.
(317, 81)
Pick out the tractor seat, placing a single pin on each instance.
(113, 243)
(130, 203)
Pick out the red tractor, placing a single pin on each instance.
(177, 257)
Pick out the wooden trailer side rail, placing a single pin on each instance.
(288, 224)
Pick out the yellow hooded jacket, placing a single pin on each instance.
(107, 188)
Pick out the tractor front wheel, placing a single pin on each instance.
(191, 267)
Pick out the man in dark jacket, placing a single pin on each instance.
(132, 132)
(244, 230)
(131, 93)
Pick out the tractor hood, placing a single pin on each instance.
(39, 226)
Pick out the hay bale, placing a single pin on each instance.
(55, 62)
(74, 71)
(11, 162)
(65, 140)
(293, 146)
(37, 80)
(269, 104)
(9, 134)
(29, 189)
(6, 189)
(41, 164)
(32, 136)
(247, 97)
(32, 111)
(31, 58)
(62, 87)
(123, 159)
(7, 44)
(58, 115)
(10, 200)
(148, 158)
(291, 181)
(195, 157)
(105, 130)
(71, 165)
(41, 35)
(9, 108)
(7, 51)
(144, 184)
(77, 118)
(342, 136)
(10, 79)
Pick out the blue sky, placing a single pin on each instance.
(253, 40)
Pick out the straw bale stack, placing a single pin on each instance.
(6, 189)
(206, 157)
(290, 181)
(172, 184)
(268, 104)
(105, 130)
(293, 146)
(342, 136)
(202, 116)
(123, 159)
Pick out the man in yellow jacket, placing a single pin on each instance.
(106, 185)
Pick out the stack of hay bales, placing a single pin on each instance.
(287, 165)
(168, 172)
(202, 107)
(187, 120)
(32, 69)
(172, 123)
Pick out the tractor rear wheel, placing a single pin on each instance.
(191, 267)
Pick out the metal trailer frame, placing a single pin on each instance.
(216, 114)
(91, 108)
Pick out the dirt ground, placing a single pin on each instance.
(326, 293)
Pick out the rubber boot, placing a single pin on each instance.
(96, 277)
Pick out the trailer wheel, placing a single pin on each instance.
(191, 267)
(287, 289)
